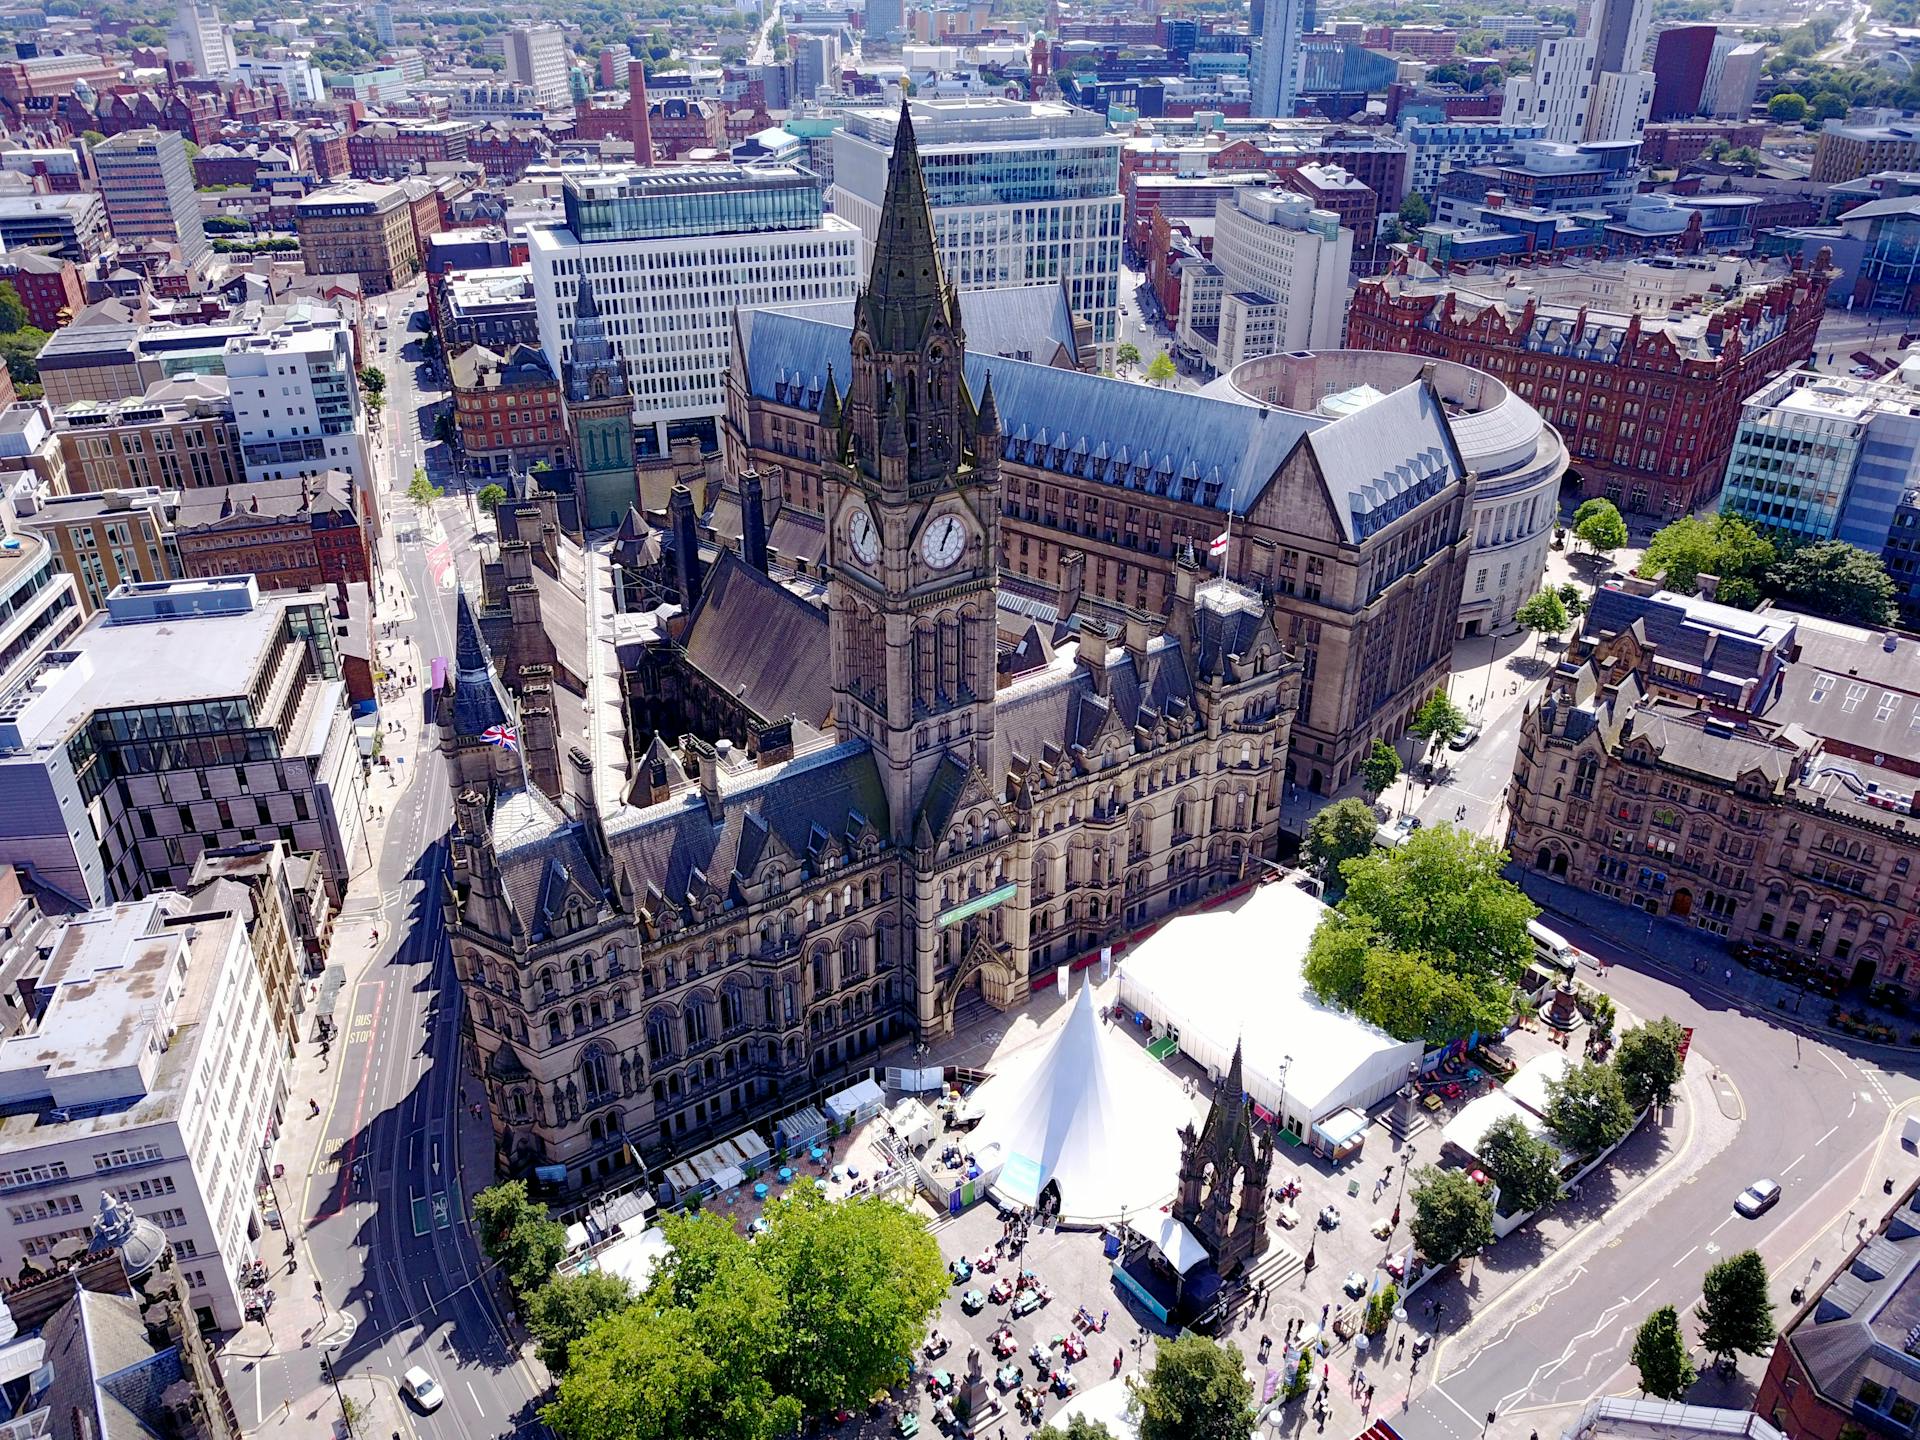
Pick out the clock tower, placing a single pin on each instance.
(912, 492)
(599, 408)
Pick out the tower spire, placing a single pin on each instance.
(906, 288)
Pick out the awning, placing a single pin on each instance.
(1180, 1247)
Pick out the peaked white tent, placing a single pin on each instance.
(1087, 1114)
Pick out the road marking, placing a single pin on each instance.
(1826, 1137)
(1721, 1226)
(476, 1398)
(1683, 1259)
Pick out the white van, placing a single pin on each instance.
(1552, 947)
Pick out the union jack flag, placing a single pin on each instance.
(505, 736)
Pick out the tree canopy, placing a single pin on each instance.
(491, 497)
(1835, 579)
(1451, 1215)
(1380, 769)
(1078, 1427)
(1727, 546)
(1736, 1311)
(742, 1341)
(13, 310)
(1545, 614)
(1603, 529)
(567, 1306)
(1648, 1061)
(1787, 108)
(518, 1235)
(1587, 1108)
(1660, 1355)
(422, 491)
(1438, 720)
(1161, 370)
(1126, 354)
(1415, 212)
(1195, 1391)
(1339, 833)
(1526, 1167)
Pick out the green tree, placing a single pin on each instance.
(1415, 212)
(1736, 1312)
(491, 497)
(1525, 1166)
(1380, 769)
(373, 379)
(1648, 1061)
(1603, 530)
(1660, 1355)
(1787, 108)
(1437, 721)
(567, 1307)
(1078, 1427)
(1338, 833)
(1571, 597)
(859, 1279)
(1835, 579)
(1127, 354)
(1195, 1391)
(1726, 546)
(518, 1235)
(1443, 894)
(1544, 615)
(1451, 1215)
(1338, 954)
(1411, 998)
(21, 350)
(13, 310)
(1161, 370)
(1829, 105)
(91, 138)
(422, 491)
(1587, 1108)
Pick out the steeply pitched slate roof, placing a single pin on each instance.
(477, 703)
(1060, 706)
(759, 641)
(825, 794)
(1728, 649)
(1015, 322)
(1381, 461)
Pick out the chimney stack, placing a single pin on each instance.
(753, 521)
(637, 113)
(686, 546)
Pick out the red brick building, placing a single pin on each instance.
(506, 409)
(1376, 159)
(679, 125)
(1171, 242)
(294, 534)
(328, 147)
(505, 154)
(402, 147)
(1648, 406)
(1675, 143)
(49, 287)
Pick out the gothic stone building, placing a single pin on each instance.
(679, 934)
(1782, 818)
(1357, 525)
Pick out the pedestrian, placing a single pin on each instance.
(1729, 975)
(1324, 1309)
(1369, 1394)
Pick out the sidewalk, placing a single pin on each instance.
(379, 1411)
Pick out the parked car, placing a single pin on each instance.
(1393, 836)
(1758, 1198)
(1465, 738)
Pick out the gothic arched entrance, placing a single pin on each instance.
(1000, 986)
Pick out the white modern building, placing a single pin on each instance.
(199, 39)
(1435, 147)
(294, 74)
(1593, 85)
(187, 715)
(296, 399)
(1276, 66)
(1277, 280)
(146, 1067)
(670, 254)
(1022, 193)
(537, 56)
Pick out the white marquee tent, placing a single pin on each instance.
(1086, 1112)
(1235, 974)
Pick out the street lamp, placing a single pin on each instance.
(333, 1376)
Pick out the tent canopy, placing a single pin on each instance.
(1468, 1128)
(857, 1101)
(1082, 1111)
(1236, 974)
(1178, 1245)
(1529, 1082)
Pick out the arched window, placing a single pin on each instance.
(553, 1029)
(696, 1021)
(593, 1073)
(659, 1036)
(547, 990)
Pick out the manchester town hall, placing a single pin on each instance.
(719, 849)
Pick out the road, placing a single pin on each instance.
(1848, 35)
(387, 1224)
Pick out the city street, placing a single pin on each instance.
(386, 1207)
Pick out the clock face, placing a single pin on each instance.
(946, 537)
(864, 537)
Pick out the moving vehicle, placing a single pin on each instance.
(1758, 1198)
(1393, 835)
(1465, 738)
(421, 1388)
(1552, 947)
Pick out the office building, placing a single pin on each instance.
(1734, 72)
(383, 22)
(47, 285)
(1847, 152)
(1681, 57)
(1647, 399)
(146, 182)
(670, 253)
(816, 65)
(537, 56)
(1590, 85)
(148, 1064)
(886, 21)
(506, 410)
(298, 534)
(495, 307)
(73, 227)
(1514, 32)
(108, 539)
(40, 607)
(186, 715)
(1021, 194)
(1675, 764)
(177, 435)
(1276, 62)
(1541, 175)
(198, 39)
(360, 229)
(1277, 280)
(296, 398)
(1830, 457)
(1436, 147)
(90, 362)
(389, 148)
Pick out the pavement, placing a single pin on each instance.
(375, 1183)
